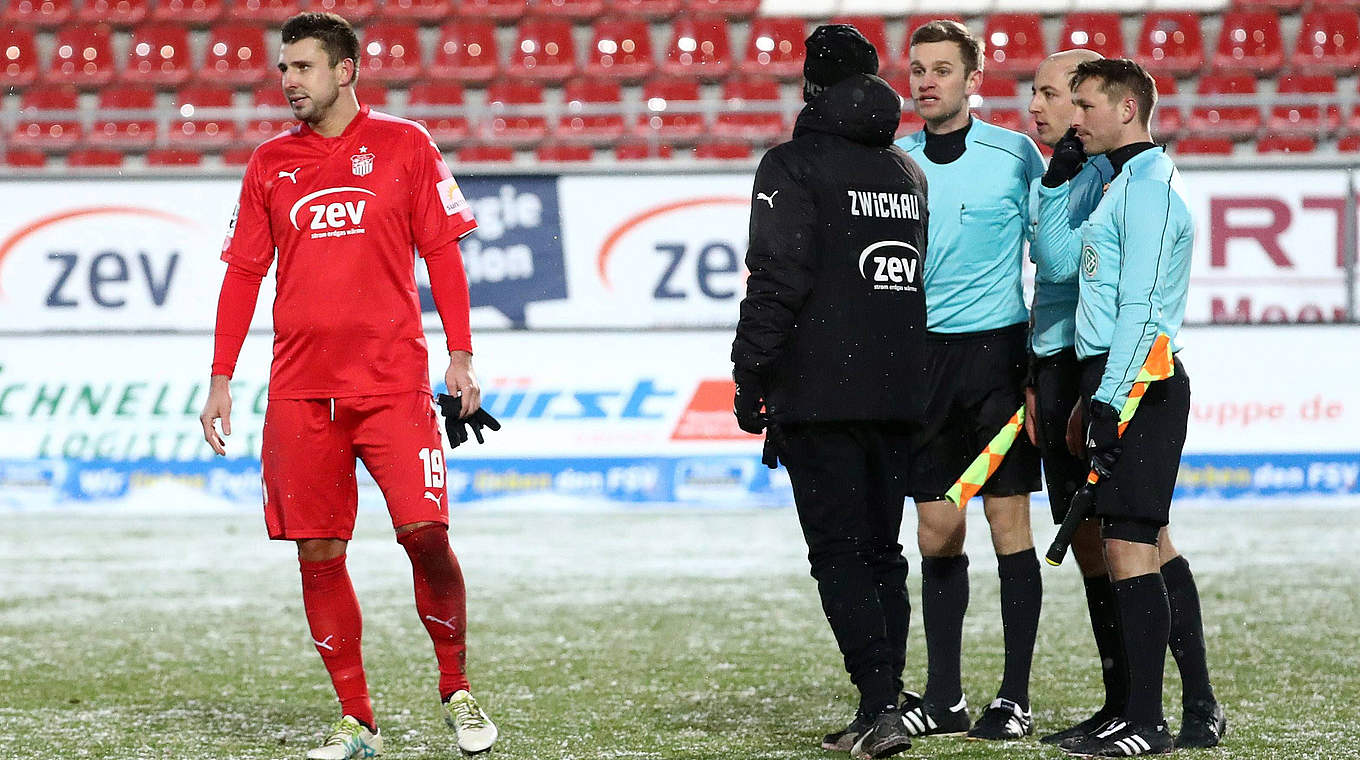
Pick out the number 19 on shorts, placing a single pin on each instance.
(432, 461)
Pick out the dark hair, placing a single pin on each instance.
(334, 33)
(1120, 77)
(945, 30)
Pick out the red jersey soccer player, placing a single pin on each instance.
(345, 198)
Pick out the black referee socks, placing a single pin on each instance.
(1022, 593)
(1145, 626)
(1105, 626)
(1187, 631)
(944, 600)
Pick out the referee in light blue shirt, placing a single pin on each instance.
(977, 323)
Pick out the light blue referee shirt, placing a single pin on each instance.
(1135, 270)
(1056, 214)
(979, 219)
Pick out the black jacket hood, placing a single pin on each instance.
(862, 108)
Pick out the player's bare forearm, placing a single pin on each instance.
(218, 406)
(463, 383)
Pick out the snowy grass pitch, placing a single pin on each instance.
(594, 634)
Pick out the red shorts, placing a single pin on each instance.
(310, 446)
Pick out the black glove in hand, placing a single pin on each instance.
(1068, 158)
(457, 428)
(1102, 437)
(748, 406)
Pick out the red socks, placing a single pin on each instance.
(333, 615)
(441, 602)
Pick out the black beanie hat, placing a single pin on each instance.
(834, 52)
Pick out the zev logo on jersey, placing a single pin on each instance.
(890, 265)
(336, 218)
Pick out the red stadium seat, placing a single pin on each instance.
(40, 13)
(421, 11)
(698, 48)
(1015, 43)
(199, 130)
(113, 12)
(751, 111)
(1300, 119)
(159, 55)
(592, 111)
(1249, 41)
(579, 10)
(265, 12)
(1349, 144)
(389, 53)
(543, 50)
(874, 30)
(237, 156)
(564, 152)
(910, 122)
(94, 158)
(354, 11)
(18, 57)
(173, 157)
(526, 124)
(82, 56)
(47, 132)
(25, 159)
(641, 150)
(1100, 32)
(371, 94)
(620, 49)
(1329, 42)
(126, 132)
(236, 56)
(1170, 42)
(1290, 6)
(1203, 146)
(486, 154)
(496, 10)
(272, 116)
(1234, 121)
(466, 52)
(994, 88)
(1168, 121)
(429, 104)
(672, 110)
(775, 48)
(722, 150)
(191, 12)
(651, 9)
(1286, 144)
(725, 8)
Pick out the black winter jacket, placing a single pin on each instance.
(833, 323)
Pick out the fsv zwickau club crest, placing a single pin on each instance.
(362, 162)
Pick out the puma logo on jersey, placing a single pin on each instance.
(325, 643)
(432, 498)
(767, 198)
(290, 175)
(446, 623)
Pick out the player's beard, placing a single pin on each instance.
(319, 107)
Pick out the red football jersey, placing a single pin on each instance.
(346, 215)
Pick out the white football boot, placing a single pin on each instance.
(348, 739)
(476, 732)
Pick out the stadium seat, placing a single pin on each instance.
(39, 13)
(641, 150)
(1329, 43)
(649, 9)
(1100, 32)
(1014, 43)
(272, 116)
(196, 129)
(94, 158)
(1286, 144)
(191, 12)
(564, 152)
(1170, 42)
(751, 111)
(124, 132)
(18, 57)
(592, 111)
(465, 52)
(775, 48)
(543, 50)
(576, 10)
(526, 124)
(672, 110)
(158, 55)
(25, 159)
(264, 12)
(722, 150)
(47, 132)
(910, 122)
(873, 29)
(424, 103)
(698, 48)
(1168, 121)
(173, 157)
(1349, 144)
(620, 49)
(389, 53)
(354, 11)
(1203, 146)
(1300, 119)
(1249, 41)
(725, 8)
(82, 56)
(1233, 121)
(420, 11)
(120, 13)
(993, 89)
(371, 94)
(495, 10)
(237, 56)
(1283, 6)
(239, 156)
(486, 154)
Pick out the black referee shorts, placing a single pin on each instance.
(975, 383)
(1145, 476)
(1057, 390)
